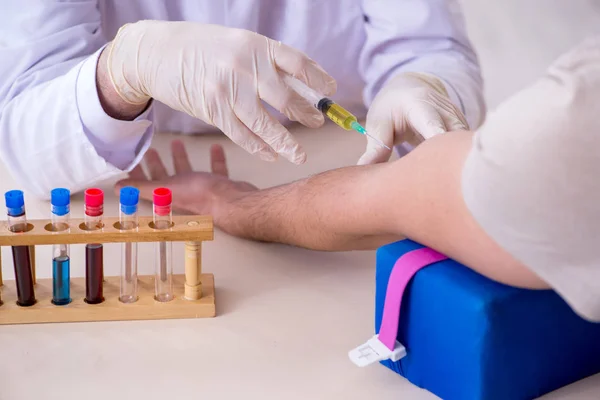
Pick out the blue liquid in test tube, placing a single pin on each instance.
(61, 273)
(61, 288)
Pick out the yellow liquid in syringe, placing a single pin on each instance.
(340, 116)
(343, 118)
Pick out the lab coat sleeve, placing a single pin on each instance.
(422, 36)
(53, 130)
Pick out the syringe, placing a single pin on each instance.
(336, 113)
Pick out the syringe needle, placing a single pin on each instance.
(360, 129)
(378, 141)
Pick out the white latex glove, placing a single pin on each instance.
(219, 75)
(411, 107)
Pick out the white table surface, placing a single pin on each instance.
(286, 316)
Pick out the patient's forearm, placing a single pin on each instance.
(336, 210)
(418, 197)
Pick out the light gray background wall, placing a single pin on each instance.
(517, 39)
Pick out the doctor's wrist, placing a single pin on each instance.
(111, 101)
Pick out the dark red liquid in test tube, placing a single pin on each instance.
(17, 222)
(24, 276)
(94, 252)
(94, 264)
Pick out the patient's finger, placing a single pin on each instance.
(156, 168)
(138, 173)
(218, 163)
(181, 161)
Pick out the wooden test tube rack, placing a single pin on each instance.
(194, 291)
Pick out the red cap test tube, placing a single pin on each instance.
(162, 219)
(94, 252)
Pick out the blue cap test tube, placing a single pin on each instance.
(60, 203)
(17, 222)
(128, 220)
(15, 205)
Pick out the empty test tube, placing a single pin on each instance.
(61, 209)
(162, 218)
(94, 252)
(17, 222)
(128, 220)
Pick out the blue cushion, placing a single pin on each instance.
(469, 338)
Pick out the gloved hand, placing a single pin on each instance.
(411, 107)
(219, 75)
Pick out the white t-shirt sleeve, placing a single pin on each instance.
(532, 177)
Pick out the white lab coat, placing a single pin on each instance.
(54, 132)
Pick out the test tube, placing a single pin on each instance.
(61, 208)
(162, 217)
(17, 222)
(128, 220)
(94, 252)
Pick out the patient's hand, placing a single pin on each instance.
(193, 191)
